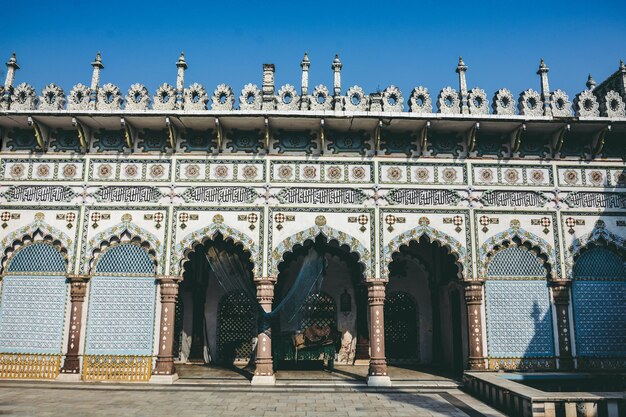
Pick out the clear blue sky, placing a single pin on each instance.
(380, 43)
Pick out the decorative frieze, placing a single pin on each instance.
(512, 175)
(335, 196)
(220, 170)
(596, 177)
(422, 173)
(513, 199)
(596, 200)
(28, 169)
(321, 172)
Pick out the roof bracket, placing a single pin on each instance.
(219, 137)
(472, 137)
(42, 133)
(84, 134)
(267, 136)
(516, 137)
(130, 133)
(423, 137)
(558, 138)
(598, 140)
(172, 133)
(322, 137)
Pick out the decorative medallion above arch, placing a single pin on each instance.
(365, 256)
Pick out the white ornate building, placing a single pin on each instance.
(457, 231)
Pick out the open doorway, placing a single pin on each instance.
(337, 308)
(216, 324)
(424, 309)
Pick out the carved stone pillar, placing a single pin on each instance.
(377, 375)
(164, 371)
(264, 372)
(560, 292)
(474, 303)
(78, 290)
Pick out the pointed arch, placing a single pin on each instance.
(517, 234)
(453, 246)
(37, 231)
(189, 242)
(599, 236)
(124, 232)
(365, 256)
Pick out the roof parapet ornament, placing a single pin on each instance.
(5, 93)
(95, 80)
(268, 87)
(591, 83)
(545, 88)
(461, 69)
(181, 66)
(304, 91)
(336, 67)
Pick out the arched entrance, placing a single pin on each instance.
(424, 313)
(337, 309)
(216, 311)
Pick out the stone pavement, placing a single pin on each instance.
(21, 398)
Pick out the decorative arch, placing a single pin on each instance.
(453, 246)
(513, 233)
(365, 256)
(188, 243)
(597, 237)
(37, 231)
(125, 232)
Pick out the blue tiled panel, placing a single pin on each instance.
(515, 262)
(519, 323)
(121, 315)
(599, 263)
(32, 314)
(600, 318)
(37, 257)
(126, 258)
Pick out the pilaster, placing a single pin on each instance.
(165, 359)
(560, 293)
(474, 303)
(264, 372)
(78, 290)
(377, 374)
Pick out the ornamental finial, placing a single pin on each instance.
(461, 66)
(13, 61)
(622, 67)
(336, 63)
(542, 67)
(98, 61)
(181, 63)
(591, 83)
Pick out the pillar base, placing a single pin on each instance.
(68, 377)
(378, 381)
(163, 379)
(263, 380)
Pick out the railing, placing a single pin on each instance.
(29, 366)
(117, 368)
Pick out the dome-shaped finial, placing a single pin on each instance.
(13, 61)
(461, 66)
(542, 67)
(622, 67)
(98, 61)
(181, 63)
(591, 83)
(336, 63)
(306, 57)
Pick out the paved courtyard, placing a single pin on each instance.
(57, 399)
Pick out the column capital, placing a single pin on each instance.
(560, 290)
(560, 282)
(474, 291)
(376, 292)
(78, 277)
(167, 279)
(265, 280)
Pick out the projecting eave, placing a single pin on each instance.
(310, 120)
